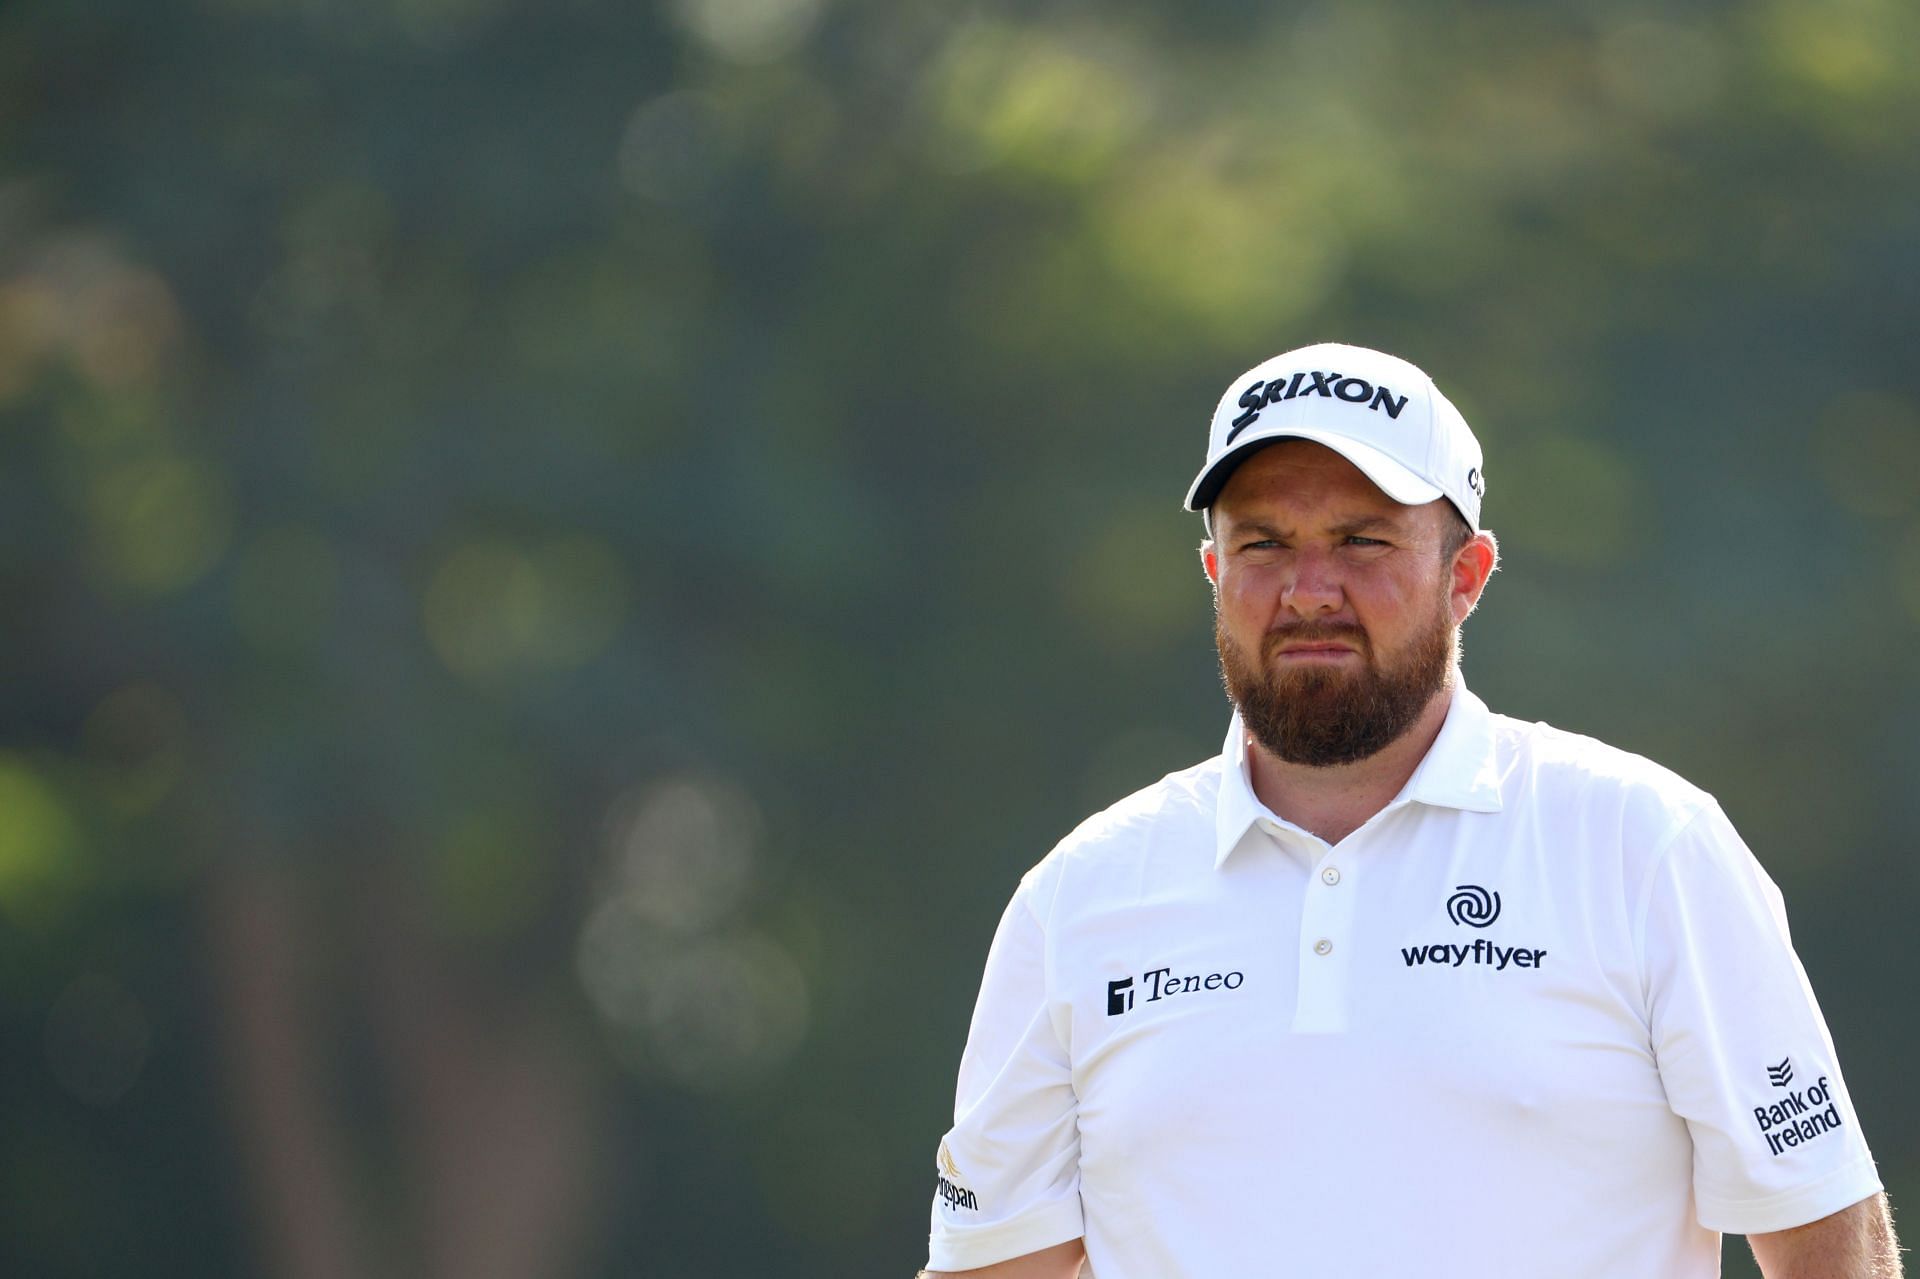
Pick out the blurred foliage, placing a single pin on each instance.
(561, 558)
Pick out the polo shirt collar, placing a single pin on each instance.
(1459, 771)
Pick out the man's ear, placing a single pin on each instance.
(1472, 566)
(1210, 561)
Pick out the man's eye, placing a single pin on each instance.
(1365, 541)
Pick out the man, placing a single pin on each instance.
(1394, 986)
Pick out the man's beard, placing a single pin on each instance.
(1322, 716)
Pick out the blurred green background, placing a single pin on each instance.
(559, 559)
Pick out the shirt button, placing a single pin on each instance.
(1323, 947)
(1330, 876)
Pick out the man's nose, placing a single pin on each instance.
(1314, 588)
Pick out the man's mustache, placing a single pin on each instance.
(1347, 633)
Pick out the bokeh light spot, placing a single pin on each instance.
(1846, 48)
(681, 851)
(77, 296)
(1235, 253)
(494, 605)
(160, 524)
(1041, 106)
(710, 1014)
(38, 838)
(482, 608)
(682, 989)
(748, 31)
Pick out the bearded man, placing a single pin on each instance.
(1394, 985)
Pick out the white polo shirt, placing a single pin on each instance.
(1539, 1016)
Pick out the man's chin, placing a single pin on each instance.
(1314, 683)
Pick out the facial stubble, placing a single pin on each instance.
(1321, 716)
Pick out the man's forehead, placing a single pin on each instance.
(1304, 478)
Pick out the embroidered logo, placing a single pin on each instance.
(948, 1189)
(1160, 983)
(1354, 390)
(1473, 905)
(1799, 1117)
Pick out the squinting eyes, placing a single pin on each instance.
(1267, 543)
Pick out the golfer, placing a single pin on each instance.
(1393, 986)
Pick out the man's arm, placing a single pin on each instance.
(1062, 1261)
(1854, 1243)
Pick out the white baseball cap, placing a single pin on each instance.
(1376, 410)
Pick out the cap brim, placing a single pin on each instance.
(1389, 476)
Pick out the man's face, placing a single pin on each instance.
(1335, 612)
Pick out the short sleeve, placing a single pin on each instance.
(1743, 1051)
(1008, 1171)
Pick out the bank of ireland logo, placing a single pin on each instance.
(1473, 906)
(1796, 1116)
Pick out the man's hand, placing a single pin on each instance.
(1062, 1261)
(1854, 1243)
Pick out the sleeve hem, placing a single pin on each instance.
(1841, 1188)
(975, 1247)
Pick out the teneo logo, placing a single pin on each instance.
(1354, 390)
(955, 1196)
(1782, 1075)
(1160, 983)
(1473, 905)
(1798, 1117)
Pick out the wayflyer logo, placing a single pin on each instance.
(1474, 907)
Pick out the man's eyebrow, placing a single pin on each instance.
(1255, 528)
(1345, 528)
(1366, 524)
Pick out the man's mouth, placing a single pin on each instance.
(1316, 652)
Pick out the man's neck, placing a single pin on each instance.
(1334, 801)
